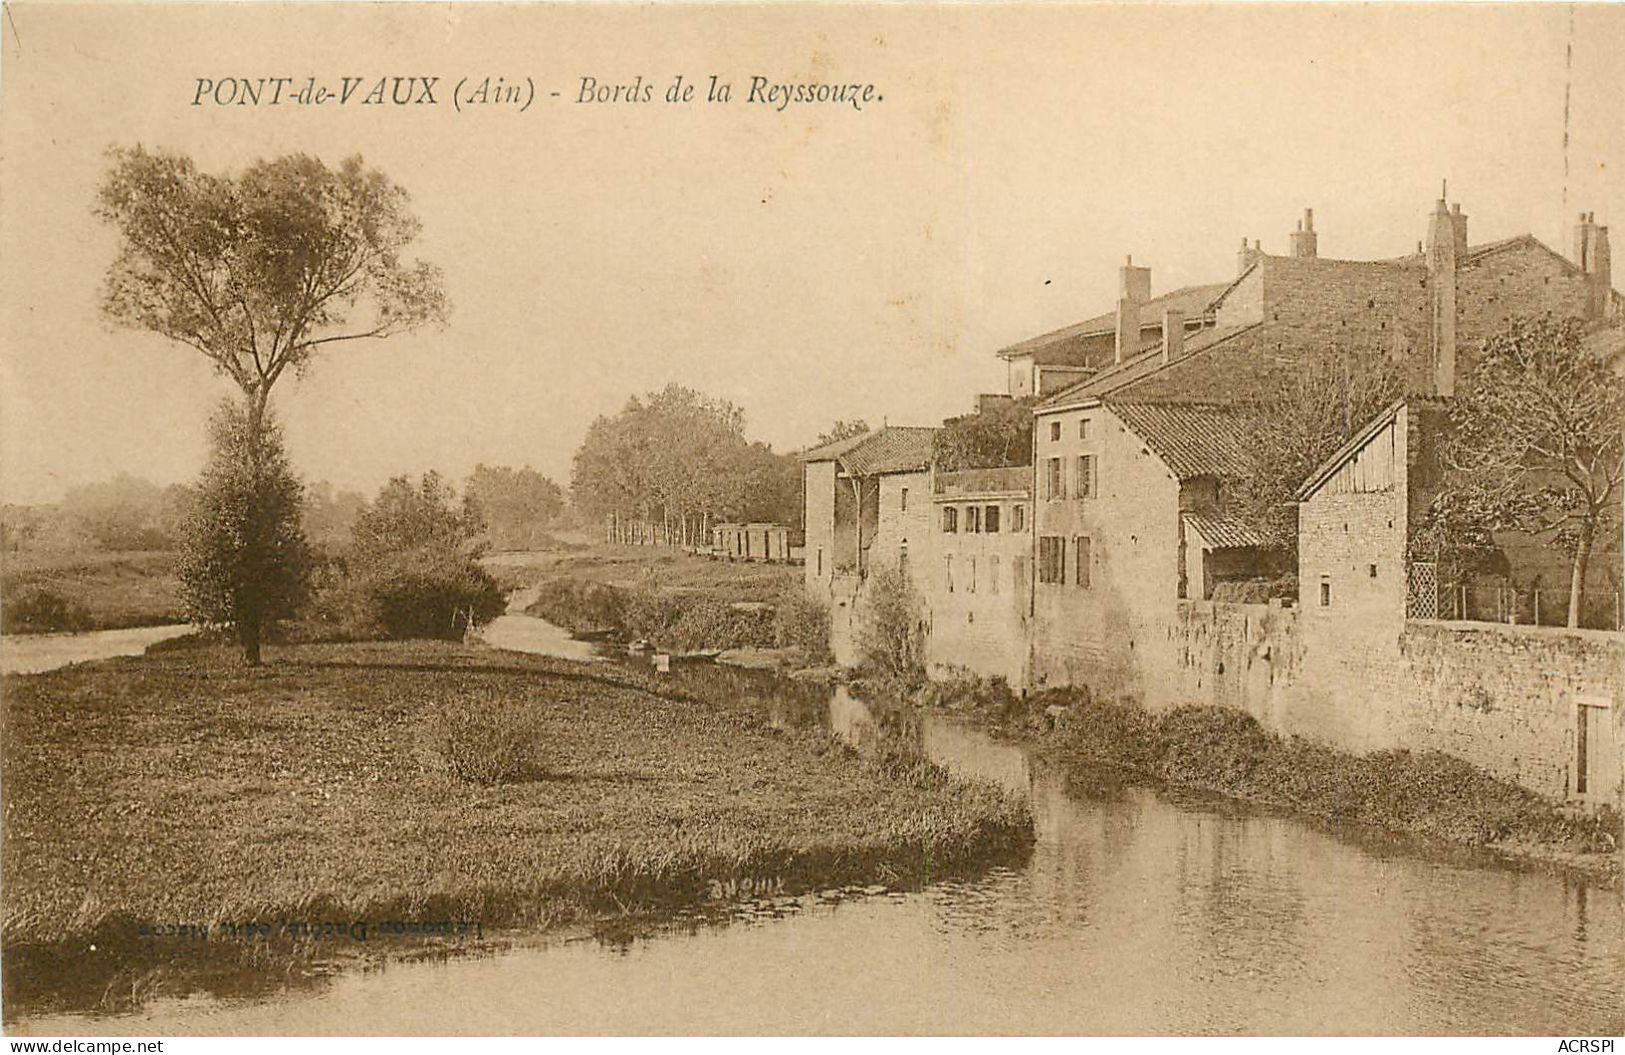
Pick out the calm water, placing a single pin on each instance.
(1133, 915)
(32, 653)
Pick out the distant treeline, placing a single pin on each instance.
(516, 508)
(674, 462)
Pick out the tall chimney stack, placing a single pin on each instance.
(1173, 334)
(1592, 255)
(1446, 230)
(1247, 256)
(1304, 241)
(1133, 291)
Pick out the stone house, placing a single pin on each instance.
(867, 506)
(1168, 428)
(977, 587)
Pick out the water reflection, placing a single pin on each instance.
(1133, 915)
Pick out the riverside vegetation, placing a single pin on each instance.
(1224, 751)
(424, 780)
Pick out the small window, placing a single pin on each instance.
(1083, 428)
(973, 519)
(1019, 519)
(949, 570)
(820, 560)
(1371, 570)
(990, 520)
(1582, 749)
(1081, 548)
(1086, 476)
(902, 559)
(902, 499)
(1325, 594)
(1054, 480)
(993, 574)
(970, 577)
(1055, 431)
(950, 519)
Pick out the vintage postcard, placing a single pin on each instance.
(796, 519)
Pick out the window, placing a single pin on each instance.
(902, 559)
(1018, 575)
(1054, 480)
(993, 575)
(950, 573)
(1086, 476)
(973, 519)
(1325, 594)
(1055, 431)
(1081, 548)
(1371, 570)
(820, 560)
(990, 520)
(902, 499)
(1052, 559)
(1019, 516)
(970, 578)
(950, 519)
(1083, 428)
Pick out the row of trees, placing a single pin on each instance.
(676, 461)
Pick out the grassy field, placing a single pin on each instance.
(106, 591)
(674, 599)
(636, 567)
(183, 788)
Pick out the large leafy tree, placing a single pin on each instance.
(517, 505)
(1536, 442)
(260, 271)
(677, 458)
(998, 435)
(243, 560)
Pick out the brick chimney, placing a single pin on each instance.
(1592, 256)
(1247, 256)
(1304, 242)
(1447, 230)
(1173, 334)
(1133, 291)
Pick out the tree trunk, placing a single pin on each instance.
(1582, 557)
(248, 635)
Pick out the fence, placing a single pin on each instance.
(1427, 598)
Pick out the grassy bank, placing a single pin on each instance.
(424, 781)
(1219, 750)
(676, 600)
(42, 593)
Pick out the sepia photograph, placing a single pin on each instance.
(811, 519)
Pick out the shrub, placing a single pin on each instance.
(413, 566)
(801, 621)
(489, 739)
(39, 610)
(423, 594)
(891, 632)
(580, 604)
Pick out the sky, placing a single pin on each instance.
(810, 263)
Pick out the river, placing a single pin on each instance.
(1134, 915)
(32, 653)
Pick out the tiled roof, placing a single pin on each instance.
(894, 449)
(1061, 347)
(1015, 478)
(1192, 439)
(1117, 377)
(1226, 532)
